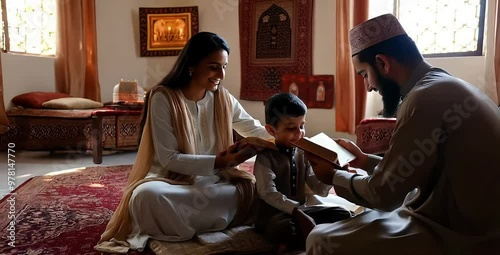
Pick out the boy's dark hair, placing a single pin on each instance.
(283, 105)
(401, 47)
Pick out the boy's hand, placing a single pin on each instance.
(306, 223)
(323, 169)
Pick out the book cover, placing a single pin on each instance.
(258, 143)
(325, 147)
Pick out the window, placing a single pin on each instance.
(31, 26)
(443, 28)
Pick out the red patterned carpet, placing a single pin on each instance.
(62, 214)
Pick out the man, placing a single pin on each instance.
(436, 190)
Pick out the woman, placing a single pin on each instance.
(182, 182)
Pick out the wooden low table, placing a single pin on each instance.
(114, 127)
(122, 130)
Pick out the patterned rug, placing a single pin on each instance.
(62, 214)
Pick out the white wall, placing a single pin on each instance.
(118, 54)
(118, 49)
(22, 73)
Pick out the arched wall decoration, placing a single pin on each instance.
(275, 39)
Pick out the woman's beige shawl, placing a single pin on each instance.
(114, 237)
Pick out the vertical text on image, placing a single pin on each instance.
(11, 182)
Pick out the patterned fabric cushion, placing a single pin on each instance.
(374, 134)
(72, 103)
(36, 99)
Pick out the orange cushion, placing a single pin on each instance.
(36, 99)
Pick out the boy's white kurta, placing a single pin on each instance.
(443, 165)
(177, 212)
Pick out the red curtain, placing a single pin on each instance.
(350, 94)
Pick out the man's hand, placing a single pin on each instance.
(306, 223)
(323, 169)
(361, 157)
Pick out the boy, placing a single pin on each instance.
(282, 176)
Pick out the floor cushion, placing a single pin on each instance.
(237, 240)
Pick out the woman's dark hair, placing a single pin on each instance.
(199, 46)
(402, 48)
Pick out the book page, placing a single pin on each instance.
(343, 155)
(333, 200)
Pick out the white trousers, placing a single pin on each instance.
(177, 212)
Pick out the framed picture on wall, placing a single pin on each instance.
(165, 31)
(320, 91)
(295, 84)
(315, 90)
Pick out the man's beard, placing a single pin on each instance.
(391, 95)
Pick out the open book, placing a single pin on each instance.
(333, 200)
(326, 148)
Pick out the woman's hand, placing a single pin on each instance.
(234, 155)
(361, 157)
(305, 222)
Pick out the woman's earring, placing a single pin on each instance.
(190, 73)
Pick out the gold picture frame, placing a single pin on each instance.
(164, 31)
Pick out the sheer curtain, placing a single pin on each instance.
(495, 91)
(491, 86)
(350, 94)
(76, 55)
(3, 116)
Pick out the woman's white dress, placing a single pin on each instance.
(177, 212)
